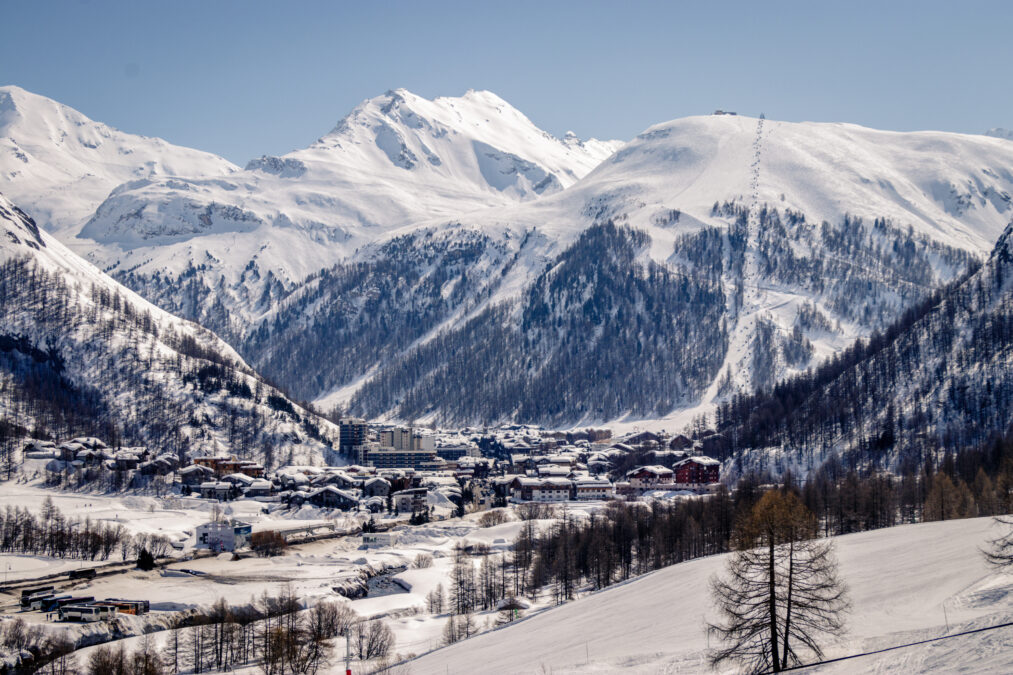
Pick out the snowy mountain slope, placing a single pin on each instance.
(395, 159)
(999, 132)
(938, 380)
(59, 165)
(815, 234)
(339, 268)
(656, 623)
(80, 354)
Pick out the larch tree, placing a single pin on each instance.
(1000, 550)
(781, 595)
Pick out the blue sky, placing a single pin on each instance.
(248, 78)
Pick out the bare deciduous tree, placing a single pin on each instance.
(1000, 550)
(781, 594)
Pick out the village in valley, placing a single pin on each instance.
(381, 530)
(453, 338)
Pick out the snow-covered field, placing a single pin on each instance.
(171, 516)
(901, 580)
(906, 584)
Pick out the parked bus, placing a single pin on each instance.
(29, 592)
(35, 602)
(137, 607)
(53, 602)
(87, 613)
(81, 574)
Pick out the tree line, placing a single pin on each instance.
(632, 538)
(935, 380)
(54, 534)
(275, 633)
(68, 354)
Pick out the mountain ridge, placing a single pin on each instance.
(82, 355)
(59, 165)
(332, 267)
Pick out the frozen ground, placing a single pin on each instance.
(900, 579)
(171, 516)
(906, 584)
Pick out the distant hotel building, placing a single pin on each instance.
(406, 439)
(353, 432)
(390, 458)
(454, 453)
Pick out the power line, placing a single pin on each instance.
(890, 649)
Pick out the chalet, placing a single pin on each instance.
(649, 476)
(556, 460)
(592, 489)
(521, 488)
(375, 504)
(240, 480)
(376, 487)
(680, 442)
(338, 479)
(224, 465)
(68, 451)
(698, 470)
(195, 474)
(522, 463)
(525, 489)
(464, 472)
(89, 457)
(501, 485)
(36, 449)
(252, 469)
(162, 465)
(411, 500)
(90, 442)
(294, 498)
(331, 497)
(554, 471)
(260, 487)
(293, 481)
(127, 461)
(552, 490)
(156, 467)
(218, 490)
(644, 438)
(479, 466)
(212, 462)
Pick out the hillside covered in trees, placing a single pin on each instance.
(80, 355)
(938, 380)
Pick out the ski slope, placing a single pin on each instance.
(900, 579)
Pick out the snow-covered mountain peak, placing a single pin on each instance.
(477, 136)
(999, 132)
(396, 159)
(954, 188)
(59, 165)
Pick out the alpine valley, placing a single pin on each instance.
(447, 261)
